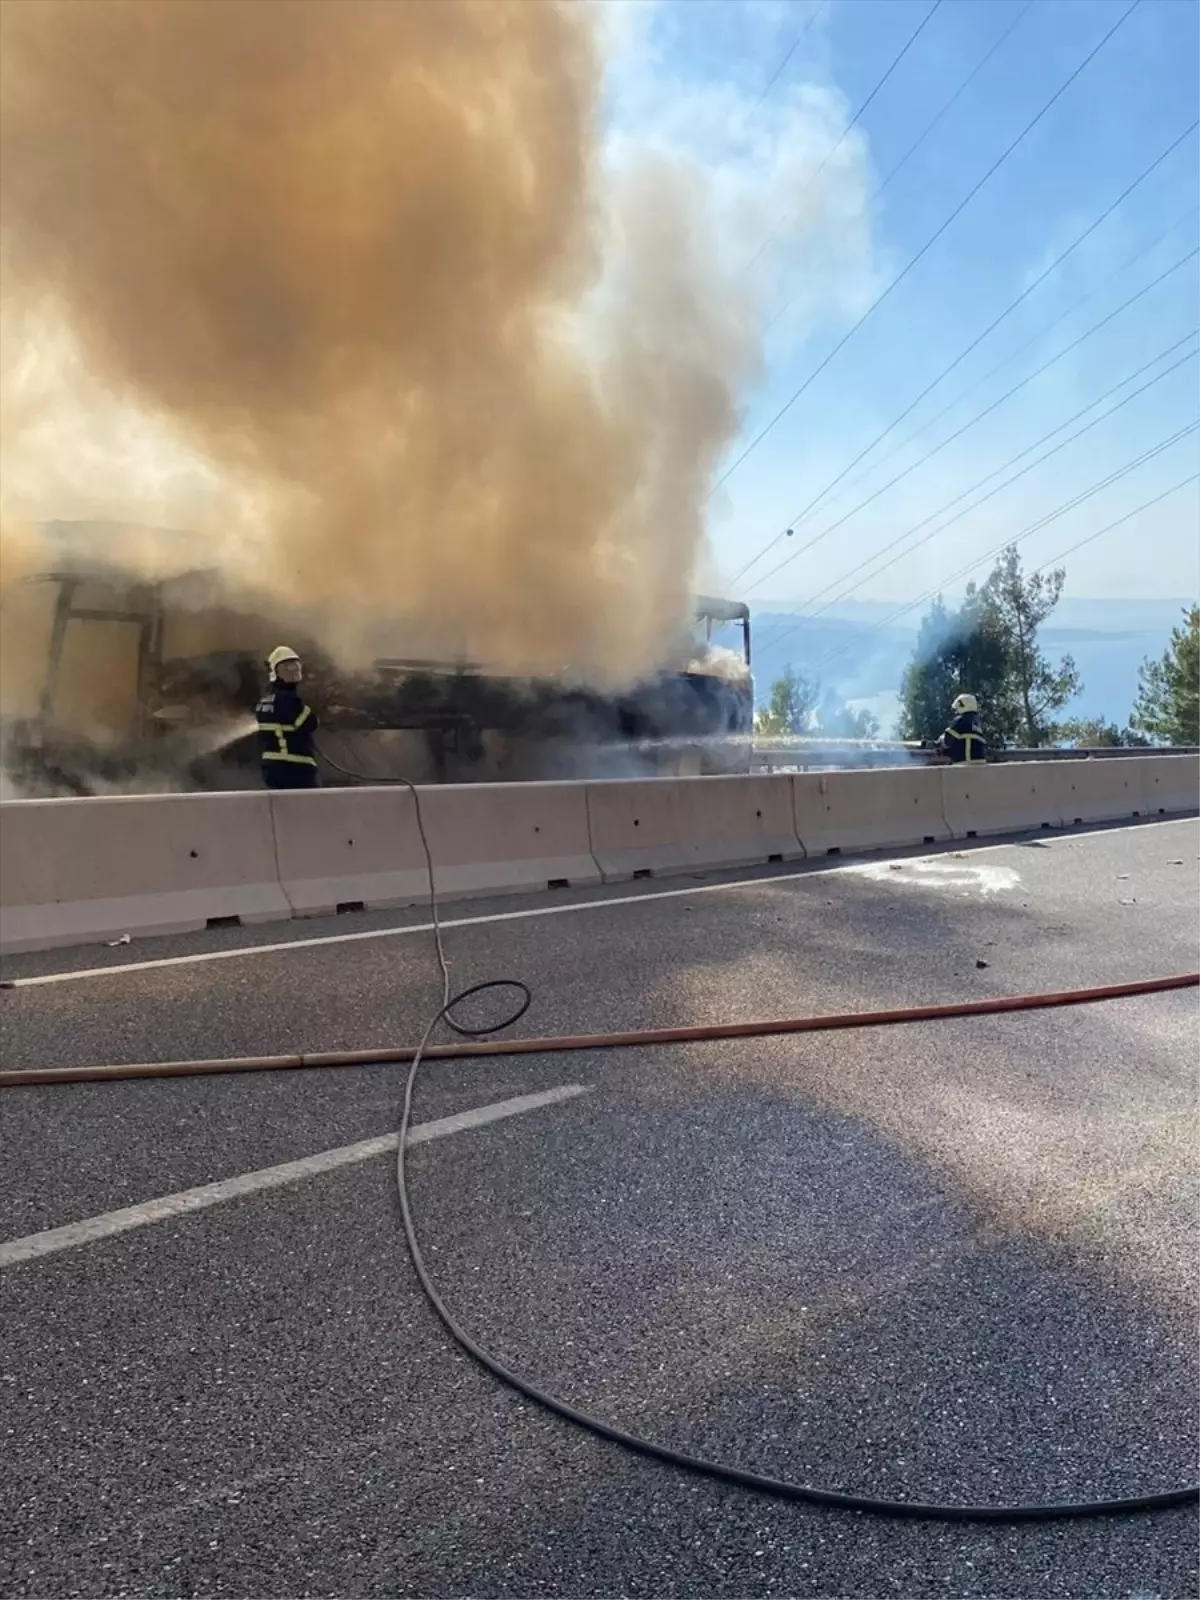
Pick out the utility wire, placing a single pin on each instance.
(796, 43)
(1165, 373)
(1070, 551)
(1000, 487)
(925, 248)
(808, 616)
(978, 383)
(929, 127)
(1036, 527)
(976, 342)
(978, 417)
(844, 135)
(911, 151)
(1146, 505)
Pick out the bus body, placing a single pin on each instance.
(111, 683)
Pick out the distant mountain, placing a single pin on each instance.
(854, 649)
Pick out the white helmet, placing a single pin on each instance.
(964, 702)
(280, 654)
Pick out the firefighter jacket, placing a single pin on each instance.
(963, 740)
(285, 737)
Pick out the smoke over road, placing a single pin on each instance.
(394, 341)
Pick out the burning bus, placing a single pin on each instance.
(111, 683)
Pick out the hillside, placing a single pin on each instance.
(856, 650)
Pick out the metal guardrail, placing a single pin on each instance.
(809, 755)
(1097, 752)
(805, 755)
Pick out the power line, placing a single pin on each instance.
(929, 127)
(796, 43)
(978, 340)
(925, 248)
(978, 383)
(1036, 527)
(1062, 445)
(973, 566)
(999, 488)
(978, 417)
(1070, 551)
(911, 151)
(845, 133)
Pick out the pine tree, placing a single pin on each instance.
(988, 648)
(957, 652)
(1033, 687)
(1168, 699)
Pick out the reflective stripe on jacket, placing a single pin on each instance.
(963, 741)
(286, 727)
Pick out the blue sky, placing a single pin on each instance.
(689, 75)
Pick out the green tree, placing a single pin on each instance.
(790, 706)
(1168, 698)
(836, 719)
(1093, 733)
(1033, 688)
(988, 648)
(957, 652)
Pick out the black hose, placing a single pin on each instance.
(782, 1488)
(725, 1471)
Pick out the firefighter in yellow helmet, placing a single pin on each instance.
(963, 740)
(286, 725)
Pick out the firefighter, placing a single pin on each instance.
(963, 740)
(286, 726)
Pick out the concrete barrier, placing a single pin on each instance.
(490, 838)
(1010, 798)
(649, 825)
(81, 871)
(1101, 790)
(1170, 784)
(348, 849)
(849, 811)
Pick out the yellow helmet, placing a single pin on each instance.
(964, 702)
(280, 654)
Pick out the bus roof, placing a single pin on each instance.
(721, 610)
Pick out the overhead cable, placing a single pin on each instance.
(978, 417)
(928, 129)
(1013, 355)
(1043, 522)
(998, 489)
(845, 133)
(925, 248)
(1013, 305)
(795, 45)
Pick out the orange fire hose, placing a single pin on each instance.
(632, 1038)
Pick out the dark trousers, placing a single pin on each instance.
(289, 775)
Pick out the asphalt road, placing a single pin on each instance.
(949, 1261)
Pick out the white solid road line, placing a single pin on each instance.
(212, 1194)
(283, 945)
(243, 952)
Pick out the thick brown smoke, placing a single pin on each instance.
(362, 260)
